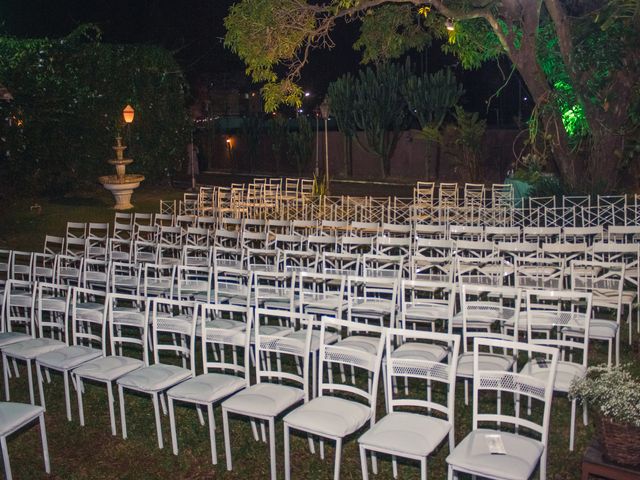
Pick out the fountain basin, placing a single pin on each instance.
(121, 187)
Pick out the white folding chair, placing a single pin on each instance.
(219, 356)
(410, 429)
(275, 391)
(88, 318)
(494, 452)
(335, 413)
(173, 338)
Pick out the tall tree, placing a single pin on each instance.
(342, 103)
(578, 58)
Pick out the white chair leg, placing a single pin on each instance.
(200, 416)
(67, 400)
(172, 422)
(423, 469)
(374, 463)
(40, 386)
(449, 472)
(227, 441)
(81, 406)
(5, 458)
(363, 463)
(45, 444)
(212, 434)
(263, 431)
(32, 397)
(573, 424)
(156, 412)
(312, 445)
(272, 448)
(123, 416)
(585, 414)
(163, 403)
(254, 430)
(5, 370)
(321, 442)
(287, 459)
(112, 413)
(47, 375)
(336, 467)
(15, 367)
(394, 466)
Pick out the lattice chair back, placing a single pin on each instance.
(541, 235)
(503, 234)
(232, 285)
(423, 193)
(52, 309)
(228, 257)
(568, 251)
(174, 331)
(540, 273)
(605, 280)
(159, 280)
(321, 291)
(340, 263)
(434, 269)
(624, 234)
(196, 255)
(431, 373)
(490, 313)
(520, 385)
(488, 271)
(383, 266)
(434, 248)
(448, 195)
(429, 231)
(194, 283)
(274, 290)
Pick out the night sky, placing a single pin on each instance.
(194, 29)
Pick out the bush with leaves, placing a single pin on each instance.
(69, 94)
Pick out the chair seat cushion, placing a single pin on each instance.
(332, 416)
(426, 313)
(226, 323)
(155, 377)
(421, 351)
(374, 306)
(486, 361)
(7, 338)
(566, 373)
(107, 369)
(32, 348)
(361, 342)
(207, 388)
(408, 433)
(14, 415)
(69, 357)
(599, 329)
(264, 399)
(473, 455)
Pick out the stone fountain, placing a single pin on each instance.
(121, 185)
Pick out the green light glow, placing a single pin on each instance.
(573, 117)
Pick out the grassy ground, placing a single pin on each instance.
(91, 452)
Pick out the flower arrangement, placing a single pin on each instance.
(613, 392)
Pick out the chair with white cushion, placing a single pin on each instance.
(549, 315)
(127, 326)
(88, 316)
(410, 429)
(18, 304)
(340, 409)
(490, 451)
(173, 340)
(51, 308)
(13, 417)
(223, 374)
(275, 390)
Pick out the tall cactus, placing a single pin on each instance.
(380, 110)
(430, 98)
(341, 94)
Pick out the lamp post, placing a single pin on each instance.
(324, 111)
(128, 113)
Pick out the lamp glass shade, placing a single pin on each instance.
(128, 114)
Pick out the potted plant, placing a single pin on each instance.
(614, 393)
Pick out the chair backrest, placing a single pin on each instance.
(317, 288)
(216, 339)
(380, 290)
(158, 279)
(568, 251)
(76, 230)
(352, 244)
(605, 280)
(474, 248)
(174, 331)
(541, 273)
(433, 373)
(194, 282)
(285, 347)
(427, 300)
(18, 307)
(88, 317)
(428, 230)
(550, 313)
(128, 321)
(480, 271)
(52, 309)
(54, 245)
(435, 269)
(21, 265)
(383, 266)
(340, 263)
(274, 287)
(393, 245)
(521, 385)
(489, 312)
(196, 255)
(541, 235)
(232, 285)
(466, 232)
(228, 257)
(502, 234)
(367, 360)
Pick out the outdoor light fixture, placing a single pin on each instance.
(449, 24)
(128, 114)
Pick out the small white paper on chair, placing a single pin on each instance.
(495, 444)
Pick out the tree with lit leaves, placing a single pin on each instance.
(578, 58)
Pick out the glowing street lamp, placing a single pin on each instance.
(128, 113)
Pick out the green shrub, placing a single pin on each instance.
(69, 94)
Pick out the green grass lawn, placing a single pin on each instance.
(91, 452)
